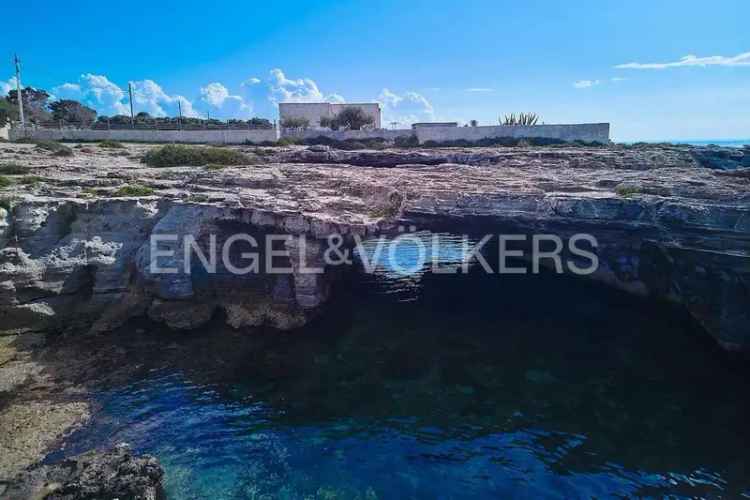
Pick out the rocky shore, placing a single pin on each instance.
(672, 223)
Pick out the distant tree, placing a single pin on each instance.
(473, 123)
(260, 123)
(72, 111)
(295, 123)
(120, 120)
(8, 112)
(327, 122)
(35, 103)
(353, 118)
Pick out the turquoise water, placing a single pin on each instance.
(727, 143)
(439, 387)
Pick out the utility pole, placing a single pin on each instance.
(130, 91)
(18, 89)
(179, 109)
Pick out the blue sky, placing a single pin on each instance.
(441, 60)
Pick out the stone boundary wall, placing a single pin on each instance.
(342, 135)
(588, 132)
(187, 136)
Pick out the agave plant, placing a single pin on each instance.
(525, 119)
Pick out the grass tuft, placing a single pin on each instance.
(109, 143)
(53, 146)
(627, 191)
(30, 180)
(135, 190)
(177, 155)
(5, 182)
(13, 169)
(64, 151)
(215, 166)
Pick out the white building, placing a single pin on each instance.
(314, 111)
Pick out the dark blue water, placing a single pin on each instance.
(439, 387)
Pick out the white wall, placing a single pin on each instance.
(188, 136)
(588, 132)
(342, 135)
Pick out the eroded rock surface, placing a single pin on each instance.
(93, 475)
(669, 225)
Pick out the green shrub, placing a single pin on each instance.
(627, 191)
(54, 147)
(13, 169)
(350, 117)
(6, 204)
(63, 152)
(5, 182)
(30, 180)
(295, 123)
(108, 143)
(133, 191)
(288, 141)
(178, 155)
(406, 142)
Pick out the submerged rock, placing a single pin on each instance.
(115, 474)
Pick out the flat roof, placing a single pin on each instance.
(336, 103)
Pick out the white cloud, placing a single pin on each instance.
(217, 99)
(148, 96)
(282, 89)
(108, 98)
(97, 92)
(7, 86)
(479, 89)
(586, 84)
(250, 81)
(691, 60)
(617, 79)
(406, 109)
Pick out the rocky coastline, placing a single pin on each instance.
(76, 254)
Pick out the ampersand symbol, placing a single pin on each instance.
(334, 255)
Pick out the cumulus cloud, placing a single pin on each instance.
(283, 89)
(586, 84)
(479, 89)
(216, 98)
(7, 86)
(406, 108)
(691, 60)
(98, 92)
(95, 91)
(148, 96)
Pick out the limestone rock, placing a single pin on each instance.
(117, 473)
